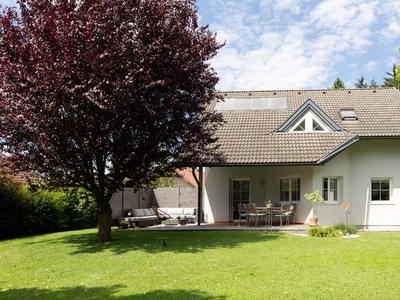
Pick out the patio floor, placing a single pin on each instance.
(224, 227)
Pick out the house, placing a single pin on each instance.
(279, 145)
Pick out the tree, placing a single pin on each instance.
(338, 84)
(396, 75)
(373, 84)
(94, 92)
(392, 80)
(360, 84)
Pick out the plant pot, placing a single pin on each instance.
(313, 222)
(182, 222)
(124, 226)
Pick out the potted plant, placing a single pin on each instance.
(182, 220)
(316, 201)
(269, 203)
(123, 224)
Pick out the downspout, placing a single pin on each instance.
(199, 182)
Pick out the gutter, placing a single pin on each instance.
(339, 149)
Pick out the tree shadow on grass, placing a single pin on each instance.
(103, 293)
(166, 241)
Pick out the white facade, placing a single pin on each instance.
(353, 170)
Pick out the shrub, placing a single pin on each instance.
(27, 212)
(13, 208)
(345, 228)
(79, 208)
(321, 231)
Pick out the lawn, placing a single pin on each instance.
(200, 266)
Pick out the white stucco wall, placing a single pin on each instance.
(374, 159)
(355, 167)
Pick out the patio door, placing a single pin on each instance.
(240, 194)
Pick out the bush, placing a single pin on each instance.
(79, 208)
(26, 212)
(13, 208)
(321, 231)
(345, 228)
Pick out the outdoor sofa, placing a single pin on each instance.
(179, 213)
(141, 217)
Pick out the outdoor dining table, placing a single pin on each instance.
(268, 212)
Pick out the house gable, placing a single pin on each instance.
(309, 118)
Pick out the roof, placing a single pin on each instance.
(187, 175)
(257, 137)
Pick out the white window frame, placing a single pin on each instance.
(328, 198)
(290, 178)
(309, 117)
(390, 190)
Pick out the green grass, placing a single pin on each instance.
(200, 266)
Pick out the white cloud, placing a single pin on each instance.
(392, 31)
(371, 65)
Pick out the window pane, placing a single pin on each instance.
(316, 126)
(333, 184)
(245, 195)
(375, 185)
(385, 195)
(301, 127)
(385, 184)
(375, 195)
(236, 195)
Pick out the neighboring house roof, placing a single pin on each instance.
(187, 175)
(21, 177)
(265, 135)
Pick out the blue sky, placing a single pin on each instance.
(300, 44)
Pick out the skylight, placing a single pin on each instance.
(260, 103)
(348, 114)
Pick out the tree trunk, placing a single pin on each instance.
(104, 215)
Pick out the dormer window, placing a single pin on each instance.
(309, 123)
(309, 117)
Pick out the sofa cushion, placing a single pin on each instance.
(149, 212)
(138, 212)
(188, 211)
(173, 211)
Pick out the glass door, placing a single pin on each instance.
(240, 194)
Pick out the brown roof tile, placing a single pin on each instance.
(249, 137)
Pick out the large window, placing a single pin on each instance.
(380, 189)
(330, 189)
(289, 189)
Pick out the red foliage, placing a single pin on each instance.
(93, 92)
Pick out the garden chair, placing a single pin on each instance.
(162, 215)
(282, 213)
(242, 213)
(252, 212)
(290, 214)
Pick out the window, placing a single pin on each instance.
(309, 123)
(241, 190)
(380, 189)
(289, 189)
(330, 189)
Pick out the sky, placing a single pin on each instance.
(300, 44)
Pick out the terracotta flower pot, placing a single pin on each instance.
(313, 221)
